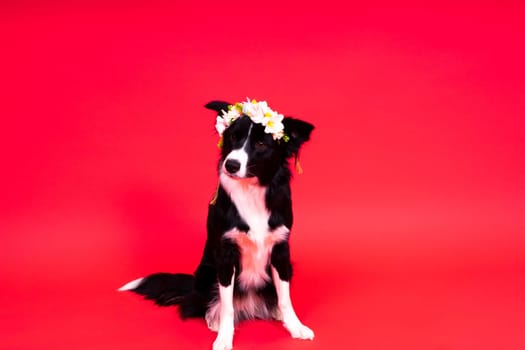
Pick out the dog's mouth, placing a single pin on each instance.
(237, 177)
(248, 178)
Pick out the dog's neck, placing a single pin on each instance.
(249, 198)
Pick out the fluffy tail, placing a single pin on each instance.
(164, 289)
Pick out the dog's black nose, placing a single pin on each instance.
(232, 166)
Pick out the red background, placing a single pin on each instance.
(409, 216)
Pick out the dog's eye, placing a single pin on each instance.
(260, 146)
(233, 137)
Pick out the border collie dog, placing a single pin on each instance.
(245, 269)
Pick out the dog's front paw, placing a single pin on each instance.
(223, 342)
(299, 330)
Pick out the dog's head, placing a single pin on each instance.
(251, 151)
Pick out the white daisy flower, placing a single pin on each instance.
(221, 125)
(226, 120)
(254, 110)
(275, 126)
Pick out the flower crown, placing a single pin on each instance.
(259, 113)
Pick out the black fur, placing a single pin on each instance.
(269, 163)
(165, 288)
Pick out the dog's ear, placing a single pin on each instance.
(217, 106)
(298, 131)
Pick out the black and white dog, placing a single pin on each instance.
(245, 269)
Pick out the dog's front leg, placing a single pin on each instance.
(224, 340)
(226, 274)
(282, 273)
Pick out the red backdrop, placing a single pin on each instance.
(409, 215)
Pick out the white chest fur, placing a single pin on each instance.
(255, 245)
